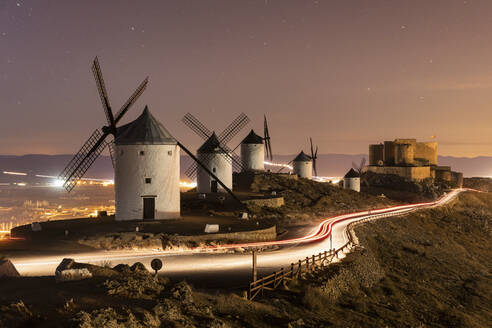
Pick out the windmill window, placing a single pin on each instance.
(213, 170)
(148, 180)
(170, 153)
(142, 153)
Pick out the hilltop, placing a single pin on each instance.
(429, 269)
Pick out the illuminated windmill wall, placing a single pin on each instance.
(146, 171)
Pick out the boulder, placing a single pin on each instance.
(122, 268)
(73, 275)
(7, 269)
(65, 264)
(66, 272)
(139, 267)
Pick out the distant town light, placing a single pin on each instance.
(14, 173)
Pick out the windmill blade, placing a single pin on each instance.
(232, 129)
(268, 148)
(283, 167)
(83, 160)
(210, 173)
(232, 157)
(191, 171)
(133, 98)
(111, 152)
(266, 137)
(312, 150)
(103, 94)
(194, 124)
(314, 167)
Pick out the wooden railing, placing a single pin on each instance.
(313, 263)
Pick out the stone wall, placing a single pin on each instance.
(242, 236)
(410, 173)
(266, 202)
(426, 151)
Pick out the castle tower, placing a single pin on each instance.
(351, 180)
(146, 171)
(303, 166)
(216, 160)
(252, 152)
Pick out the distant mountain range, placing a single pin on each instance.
(328, 165)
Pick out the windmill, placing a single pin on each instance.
(314, 156)
(223, 138)
(97, 141)
(214, 154)
(266, 138)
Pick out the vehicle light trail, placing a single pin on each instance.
(278, 164)
(207, 259)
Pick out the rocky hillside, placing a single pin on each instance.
(429, 269)
(305, 197)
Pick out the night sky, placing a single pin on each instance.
(347, 73)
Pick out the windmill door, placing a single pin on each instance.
(148, 208)
(213, 186)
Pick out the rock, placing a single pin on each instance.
(7, 269)
(65, 264)
(122, 268)
(65, 272)
(73, 275)
(138, 267)
(182, 291)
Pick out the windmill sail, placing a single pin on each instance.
(84, 158)
(229, 132)
(266, 137)
(96, 143)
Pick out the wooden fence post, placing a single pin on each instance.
(254, 266)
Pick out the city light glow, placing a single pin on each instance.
(187, 184)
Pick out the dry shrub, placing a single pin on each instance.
(362, 272)
(15, 315)
(143, 286)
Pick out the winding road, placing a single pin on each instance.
(220, 265)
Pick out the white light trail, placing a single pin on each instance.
(14, 173)
(278, 164)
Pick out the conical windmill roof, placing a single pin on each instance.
(145, 130)
(211, 145)
(252, 138)
(302, 157)
(352, 174)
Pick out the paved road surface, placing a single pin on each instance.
(220, 266)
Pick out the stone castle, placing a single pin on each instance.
(412, 160)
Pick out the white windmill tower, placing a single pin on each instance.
(302, 165)
(254, 148)
(217, 160)
(253, 152)
(215, 155)
(351, 180)
(146, 171)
